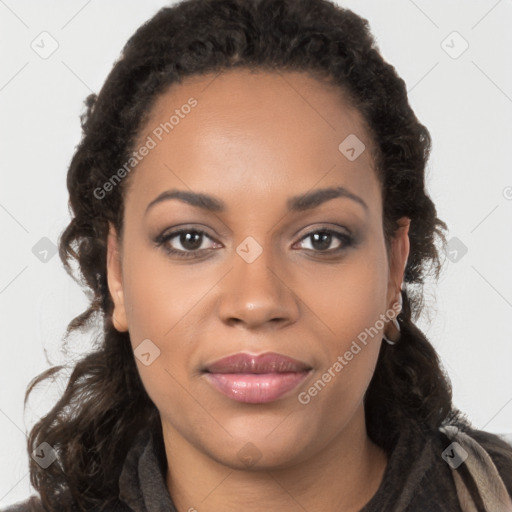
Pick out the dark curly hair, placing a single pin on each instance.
(105, 404)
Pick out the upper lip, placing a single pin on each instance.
(269, 362)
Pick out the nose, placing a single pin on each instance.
(257, 293)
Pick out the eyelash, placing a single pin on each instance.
(161, 240)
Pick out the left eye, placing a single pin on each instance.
(322, 239)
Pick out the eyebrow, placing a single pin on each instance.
(306, 201)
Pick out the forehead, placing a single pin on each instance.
(261, 132)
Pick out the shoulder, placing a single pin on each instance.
(500, 452)
(481, 462)
(32, 504)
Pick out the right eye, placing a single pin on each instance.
(190, 239)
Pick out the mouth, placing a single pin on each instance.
(256, 378)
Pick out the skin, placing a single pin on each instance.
(253, 141)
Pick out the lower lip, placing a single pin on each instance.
(255, 388)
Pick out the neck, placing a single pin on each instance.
(343, 476)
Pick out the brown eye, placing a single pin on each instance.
(190, 240)
(321, 241)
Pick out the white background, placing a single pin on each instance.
(465, 102)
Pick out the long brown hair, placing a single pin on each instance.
(105, 404)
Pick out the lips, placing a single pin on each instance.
(256, 378)
(263, 363)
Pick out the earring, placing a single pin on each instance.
(396, 324)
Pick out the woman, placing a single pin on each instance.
(249, 212)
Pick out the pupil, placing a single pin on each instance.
(325, 240)
(185, 240)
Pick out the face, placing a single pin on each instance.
(268, 265)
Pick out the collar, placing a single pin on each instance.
(142, 483)
(416, 475)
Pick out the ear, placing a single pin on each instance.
(115, 280)
(398, 259)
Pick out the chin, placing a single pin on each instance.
(259, 449)
(250, 456)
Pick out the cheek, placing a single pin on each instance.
(349, 303)
(164, 304)
(158, 295)
(349, 298)
(161, 300)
